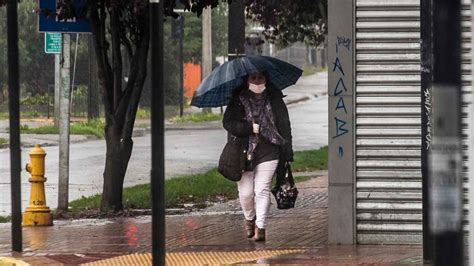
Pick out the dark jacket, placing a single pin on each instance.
(235, 123)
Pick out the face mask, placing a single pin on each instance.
(257, 88)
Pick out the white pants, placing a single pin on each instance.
(254, 192)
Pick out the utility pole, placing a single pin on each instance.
(446, 192)
(177, 34)
(206, 42)
(157, 133)
(181, 68)
(57, 87)
(14, 110)
(236, 35)
(64, 107)
(206, 64)
(426, 127)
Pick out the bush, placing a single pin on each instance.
(37, 100)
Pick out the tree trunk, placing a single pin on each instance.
(116, 163)
(110, 35)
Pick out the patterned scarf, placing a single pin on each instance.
(262, 108)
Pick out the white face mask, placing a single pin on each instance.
(257, 88)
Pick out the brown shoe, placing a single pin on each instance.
(250, 227)
(259, 234)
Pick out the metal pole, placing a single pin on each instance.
(206, 64)
(181, 70)
(236, 35)
(206, 42)
(14, 110)
(426, 128)
(446, 193)
(57, 87)
(157, 133)
(64, 104)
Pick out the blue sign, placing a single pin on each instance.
(52, 24)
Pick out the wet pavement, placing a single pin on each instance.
(303, 228)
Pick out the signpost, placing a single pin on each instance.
(52, 24)
(49, 23)
(14, 110)
(446, 155)
(52, 43)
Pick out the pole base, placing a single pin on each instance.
(31, 218)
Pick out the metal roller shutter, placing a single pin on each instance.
(466, 90)
(388, 122)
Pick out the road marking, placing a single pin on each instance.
(195, 258)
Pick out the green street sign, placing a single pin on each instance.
(52, 43)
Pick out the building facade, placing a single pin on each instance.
(375, 108)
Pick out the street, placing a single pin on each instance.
(187, 151)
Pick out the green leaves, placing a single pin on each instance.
(286, 22)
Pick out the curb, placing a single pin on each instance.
(299, 100)
(195, 126)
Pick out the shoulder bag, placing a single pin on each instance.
(285, 191)
(232, 159)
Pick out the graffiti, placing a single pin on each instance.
(338, 65)
(341, 105)
(427, 106)
(340, 130)
(338, 90)
(344, 42)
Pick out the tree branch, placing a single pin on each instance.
(97, 26)
(116, 56)
(322, 9)
(142, 50)
(105, 55)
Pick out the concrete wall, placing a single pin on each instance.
(341, 129)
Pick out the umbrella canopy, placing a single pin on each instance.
(217, 88)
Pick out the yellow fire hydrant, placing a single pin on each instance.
(37, 214)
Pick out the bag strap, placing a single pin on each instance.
(289, 174)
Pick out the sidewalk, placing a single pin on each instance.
(213, 236)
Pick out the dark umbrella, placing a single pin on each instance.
(217, 88)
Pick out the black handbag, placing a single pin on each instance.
(232, 159)
(285, 191)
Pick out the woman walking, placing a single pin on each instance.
(258, 115)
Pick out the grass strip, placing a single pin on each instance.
(3, 141)
(196, 189)
(311, 69)
(310, 160)
(95, 127)
(199, 188)
(170, 111)
(197, 117)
